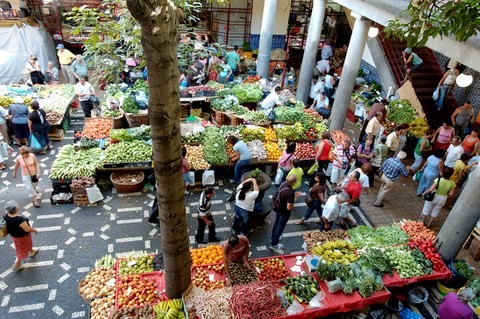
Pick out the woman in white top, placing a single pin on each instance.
(247, 193)
(446, 84)
(329, 83)
(33, 68)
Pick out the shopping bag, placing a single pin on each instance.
(418, 176)
(312, 168)
(35, 144)
(4, 149)
(3, 228)
(208, 177)
(278, 176)
(94, 194)
(436, 94)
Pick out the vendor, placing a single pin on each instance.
(321, 105)
(272, 100)
(242, 157)
(456, 305)
(236, 249)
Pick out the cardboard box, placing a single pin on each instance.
(474, 249)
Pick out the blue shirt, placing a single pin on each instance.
(393, 167)
(474, 159)
(80, 69)
(19, 113)
(242, 148)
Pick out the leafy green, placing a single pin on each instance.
(129, 105)
(248, 93)
(214, 146)
(464, 269)
(289, 114)
(401, 111)
(363, 236)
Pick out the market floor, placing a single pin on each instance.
(72, 237)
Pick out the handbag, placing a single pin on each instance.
(418, 176)
(309, 200)
(429, 196)
(278, 176)
(436, 94)
(34, 178)
(312, 168)
(34, 143)
(3, 227)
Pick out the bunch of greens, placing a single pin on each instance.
(256, 117)
(401, 111)
(289, 114)
(376, 260)
(129, 105)
(120, 135)
(363, 236)
(248, 93)
(140, 133)
(141, 85)
(464, 269)
(214, 146)
(226, 103)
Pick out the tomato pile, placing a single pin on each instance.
(271, 268)
(136, 291)
(304, 151)
(426, 247)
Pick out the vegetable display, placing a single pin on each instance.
(225, 103)
(195, 157)
(241, 275)
(464, 269)
(202, 277)
(401, 111)
(145, 312)
(70, 163)
(82, 183)
(376, 260)
(418, 127)
(271, 269)
(427, 267)
(291, 132)
(135, 265)
(417, 230)
(211, 304)
(363, 236)
(256, 117)
(97, 127)
(248, 93)
(214, 147)
(250, 134)
(192, 138)
(261, 298)
(304, 151)
(288, 114)
(86, 143)
(136, 290)
(336, 251)
(128, 152)
(304, 288)
(100, 282)
(426, 247)
(403, 262)
(274, 152)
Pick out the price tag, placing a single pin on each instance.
(211, 277)
(132, 263)
(111, 282)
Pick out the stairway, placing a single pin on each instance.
(424, 80)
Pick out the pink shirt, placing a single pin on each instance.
(452, 308)
(444, 135)
(31, 161)
(184, 166)
(286, 161)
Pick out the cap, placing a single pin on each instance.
(401, 155)
(407, 50)
(33, 56)
(60, 46)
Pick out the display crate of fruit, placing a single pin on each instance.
(134, 265)
(139, 290)
(209, 277)
(271, 269)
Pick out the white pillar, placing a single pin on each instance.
(265, 46)
(350, 71)
(311, 48)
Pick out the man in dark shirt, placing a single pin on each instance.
(287, 198)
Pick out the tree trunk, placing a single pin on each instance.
(159, 21)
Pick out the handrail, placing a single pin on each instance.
(393, 59)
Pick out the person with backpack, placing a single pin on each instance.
(282, 204)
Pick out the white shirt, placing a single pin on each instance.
(331, 208)
(270, 101)
(249, 202)
(454, 153)
(316, 88)
(86, 88)
(321, 103)
(323, 66)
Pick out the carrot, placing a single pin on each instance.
(416, 230)
(97, 127)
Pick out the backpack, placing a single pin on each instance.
(275, 204)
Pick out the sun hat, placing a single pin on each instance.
(401, 155)
(407, 50)
(60, 46)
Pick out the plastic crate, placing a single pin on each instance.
(60, 202)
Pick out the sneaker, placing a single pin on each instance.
(278, 248)
(201, 241)
(280, 238)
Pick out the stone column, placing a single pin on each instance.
(311, 48)
(266, 34)
(350, 71)
(462, 219)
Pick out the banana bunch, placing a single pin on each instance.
(339, 251)
(70, 163)
(105, 261)
(6, 101)
(171, 309)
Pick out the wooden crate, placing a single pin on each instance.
(82, 200)
(235, 120)
(221, 118)
(474, 248)
(184, 109)
(56, 134)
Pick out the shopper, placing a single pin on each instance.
(376, 107)
(380, 154)
(247, 193)
(471, 142)
(432, 168)
(460, 169)
(321, 105)
(213, 63)
(296, 171)
(327, 50)
(364, 170)
(51, 73)
(187, 179)
(290, 77)
(233, 59)
(235, 250)
(315, 198)
(30, 170)
(3, 125)
(225, 72)
(39, 126)
(445, 189)
(323, 152)
(390, 171)
(462, 117)
(412, 62)
(19, 228)
(330, 84)
(331, 210)
(446, 84)
(19, 112)
(5, 152)
(153, 218)
(33, 68)
(322, 67)
(79, 68)
(402, 139)
(205, 217)
(242, 157)
(315, 88)
(443, 136)
(365, 152)
(195, 75)
(285, 163)
(286, 198)
(342, 157)
(65, 58)
(85, 91)
(353, 189)
(454, 151)
(393, 140)
(455, 305)
(422, 149)
(373, 126)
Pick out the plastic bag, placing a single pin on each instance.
(334, 285)
(436, 94)
(35, 144)
(94, 194)
(142, 100)
(312, 168)
(295, 308)
(208, 177)
(278, 176)
(311, 262)
(328, 172)
(316, 301)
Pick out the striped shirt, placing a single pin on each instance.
(204, 205)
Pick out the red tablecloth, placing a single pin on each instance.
(396, 281)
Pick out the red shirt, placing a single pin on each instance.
(327, 146)
(238, 252)
(354, 189)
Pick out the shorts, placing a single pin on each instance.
(187, 178)
(337, 174)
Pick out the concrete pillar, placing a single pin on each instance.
(461, 220)
(311, 48)
(266, 34)
(350, 71)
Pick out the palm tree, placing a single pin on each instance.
(159, 20)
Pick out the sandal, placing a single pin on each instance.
(34, 253)
(341, 225)
(300, 222)
(36, 204)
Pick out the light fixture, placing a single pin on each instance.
(373, 32)
(464, 80)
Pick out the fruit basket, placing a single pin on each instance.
(127, 181)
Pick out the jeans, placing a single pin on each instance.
(239, 168)
(417, 163)
(324, 112)
(240, 220)
(444, 90)
(201, 229)
(329, 93)
(316, 205)
(278, 227)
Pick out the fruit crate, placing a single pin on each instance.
(214, 277)
(291, 261)
(117, 264)
(159, 282)
(60, 202)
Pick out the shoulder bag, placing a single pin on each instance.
(3, 227)
(429, 196)
(33, 177)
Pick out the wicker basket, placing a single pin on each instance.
(129, 187)
(136, 120)
(118, 122)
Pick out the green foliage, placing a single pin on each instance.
(431, 18)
